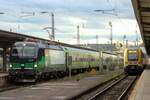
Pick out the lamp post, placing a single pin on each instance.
(52, 24)
(46, 28)
(79, 26)
(78, 35)
(126, 43)
(111, 35)
(107, 11)
(124, 37)
(97, 43)
(53, 27)
(137, 39)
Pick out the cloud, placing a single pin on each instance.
(76, 20)
(68, 14)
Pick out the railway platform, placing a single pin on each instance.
(3, 74)
(3, 79)
(141, 90)
(55, 90)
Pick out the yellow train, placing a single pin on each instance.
(134, 60)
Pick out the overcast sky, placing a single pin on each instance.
(68, 14)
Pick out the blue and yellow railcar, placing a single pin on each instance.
(133, 60)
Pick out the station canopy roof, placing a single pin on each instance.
(8, 38)
(142, 12)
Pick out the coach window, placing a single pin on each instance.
(70, 60)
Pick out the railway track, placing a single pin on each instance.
(116, 90)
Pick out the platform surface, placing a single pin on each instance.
(141, 90)
(3, 74)
(59, 90)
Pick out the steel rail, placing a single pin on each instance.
(127, 89)
(113, 84)
(107, 88)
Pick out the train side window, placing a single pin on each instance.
(104, 67)
(70, 60)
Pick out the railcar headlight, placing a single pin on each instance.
(10, 65)
(35, 65)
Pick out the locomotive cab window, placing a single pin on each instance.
(40, 53)
(23, 50)
(16, 51)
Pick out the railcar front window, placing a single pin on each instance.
(132, 56)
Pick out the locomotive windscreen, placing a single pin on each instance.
(23, 50)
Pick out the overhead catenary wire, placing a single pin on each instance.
(115, 6)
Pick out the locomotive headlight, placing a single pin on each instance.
(10, 65)
(35, 65)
